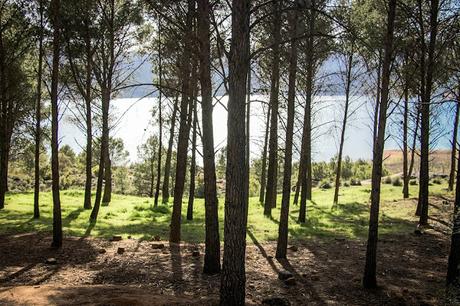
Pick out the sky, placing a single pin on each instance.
(135, 126)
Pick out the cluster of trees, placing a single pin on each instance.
(401, 56)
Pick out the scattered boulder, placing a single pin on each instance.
(158, 246)
(115, 238)
(293, 248)
(196, 253)
(314, 278)
(120, 250)
(51, 261)
(283, 275)
(276, 301)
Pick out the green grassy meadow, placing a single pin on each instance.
(135, 216)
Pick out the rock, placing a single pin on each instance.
(290, 281)
(283, 275)
(158, 246)
(51, 261)
(121, 250)
(314, 278)
(102, 251)
(115, 238)
(196, 253)
(276, 301)
(293, 248)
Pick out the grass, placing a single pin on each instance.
(135, 216)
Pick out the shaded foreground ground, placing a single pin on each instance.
(411, 270)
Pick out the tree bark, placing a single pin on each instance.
(191, 194)
(453, 271)
(370, 280)
(425, 112)
(263, 175)
(57, 222)
(108, 180)
(281, 247)
(212, 240)
(405, 149)
(414, 143)
(453, 156)
(102, 158)
(160, 117)
(297, 191)
(305, 150)
(165, 189)
(233, 281)
(38, 117)
(272, 172)
(175, 233)
(89, 122)
(344, 125)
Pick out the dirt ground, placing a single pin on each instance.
(89, 271)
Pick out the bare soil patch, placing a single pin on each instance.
(90, 271)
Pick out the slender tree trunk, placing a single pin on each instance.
(305, 150)
(182, 145)
(405, 149)
(108, 180)
(103, 155)
(453, 157)
(89, 122)
(272, 172)
(233, 281)
(377, 100)
(344, 125)
(3, 125)
(191, 194)
(57, 222)
(370, 280)
(160, 117)
(263, 175)
(453, 271)
(152, 173)
(212, 240)
(414, 143)
(297, 191)
(38, 118)
(281, 247)
(425, 111)
(165, 189)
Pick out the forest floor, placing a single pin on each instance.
(327, 270)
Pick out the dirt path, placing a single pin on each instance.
(411, 271)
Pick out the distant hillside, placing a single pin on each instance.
(439, 162)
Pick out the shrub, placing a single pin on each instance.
(355, 182)
(396, 182)
(325, 185)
